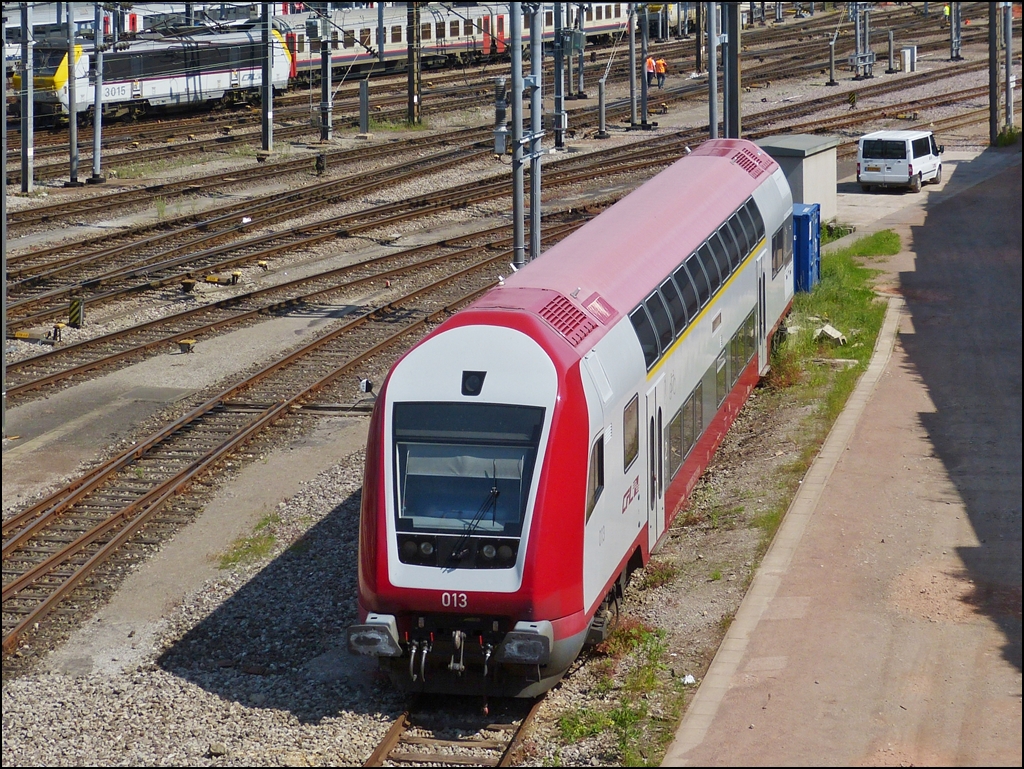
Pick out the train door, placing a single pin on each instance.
(234, 64)
(655, 462)
(762, 315)
(487, 40)
(501, 34)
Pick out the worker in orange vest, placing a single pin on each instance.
(650, 68)
(660, 68)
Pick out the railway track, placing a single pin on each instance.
(62, 364)
(55, 546)
(446, 733)
(443, 97)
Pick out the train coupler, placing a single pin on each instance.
(459, 642)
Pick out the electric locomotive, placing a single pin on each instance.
(532, 450)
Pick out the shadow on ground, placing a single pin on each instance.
(278, 641)
(965, 302)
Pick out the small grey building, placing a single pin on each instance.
(809, 163)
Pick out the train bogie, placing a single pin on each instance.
(536, 447)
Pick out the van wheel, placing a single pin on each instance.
(865, 188)
(938, 176)
(915, 185)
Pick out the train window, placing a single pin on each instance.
(595, 480)
(689, 293)
(439, 30)
(334, 41)
(590, 12)
(600, 13)
(349, 38)
(782, 246)
(630, 432)
(743, 229)
(699, 278)
(462, 466)
(396, 33)
(675, 305)
(618, 11)
(732, 244)
(721, 374)
(750, 334)
(364, 38)
(645, 333)
(424, 31)
(662, 322)
(467, 28)
(736, 350)
(454, 29)
(721, 253)
(675, 443)
(755, 216)
(707, 261)
(300, 43)
(549, 19)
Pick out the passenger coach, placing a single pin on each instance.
(535, 448)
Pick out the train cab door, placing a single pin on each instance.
(762, 314)
(654, 425)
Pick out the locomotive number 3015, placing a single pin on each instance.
(454, 600)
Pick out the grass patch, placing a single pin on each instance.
(833, 232)
(254, 547)
(628, 635)
(1008, 137)
(384, 126)
(658, 573)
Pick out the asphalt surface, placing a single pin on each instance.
(884, 625)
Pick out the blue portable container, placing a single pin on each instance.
(807, 245)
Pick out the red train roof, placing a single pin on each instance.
(605, 269)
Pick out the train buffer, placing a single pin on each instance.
(186, 345)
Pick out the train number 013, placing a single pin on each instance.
(454, 600)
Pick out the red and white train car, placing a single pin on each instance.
(534, 449)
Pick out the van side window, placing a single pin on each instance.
(922, 147)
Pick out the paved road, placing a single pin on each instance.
(884, 627)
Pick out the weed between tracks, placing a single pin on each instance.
(633, 683)
(254, 547)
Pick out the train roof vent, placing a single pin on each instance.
(753, 164)
(568, 320)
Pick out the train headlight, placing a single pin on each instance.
(489, 551)
(427, 548)
(409, 549)
(505, 553)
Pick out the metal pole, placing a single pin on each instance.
(364, 107)
(536, 123)
(27, 99)
(268, 84)
(632, 65)
(413, 36)
(559, 50)
(832, 62)
(733, 89)
(892, 63)
(516, 97)
(381, 33)
(712, 73)
(643, 83)
(698, 37)
(326, 106)
(955, 32)
(602, 132)
(580, 93)
(97, 110)
(72, 102)
(1008, 54)
(993, 75)
(869, 59)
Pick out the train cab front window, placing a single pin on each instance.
(463, 473)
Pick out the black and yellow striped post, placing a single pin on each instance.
(76, 315)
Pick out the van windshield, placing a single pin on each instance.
(884, 149)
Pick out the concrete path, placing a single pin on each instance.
(884, 626)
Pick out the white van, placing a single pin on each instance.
(898, 159)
